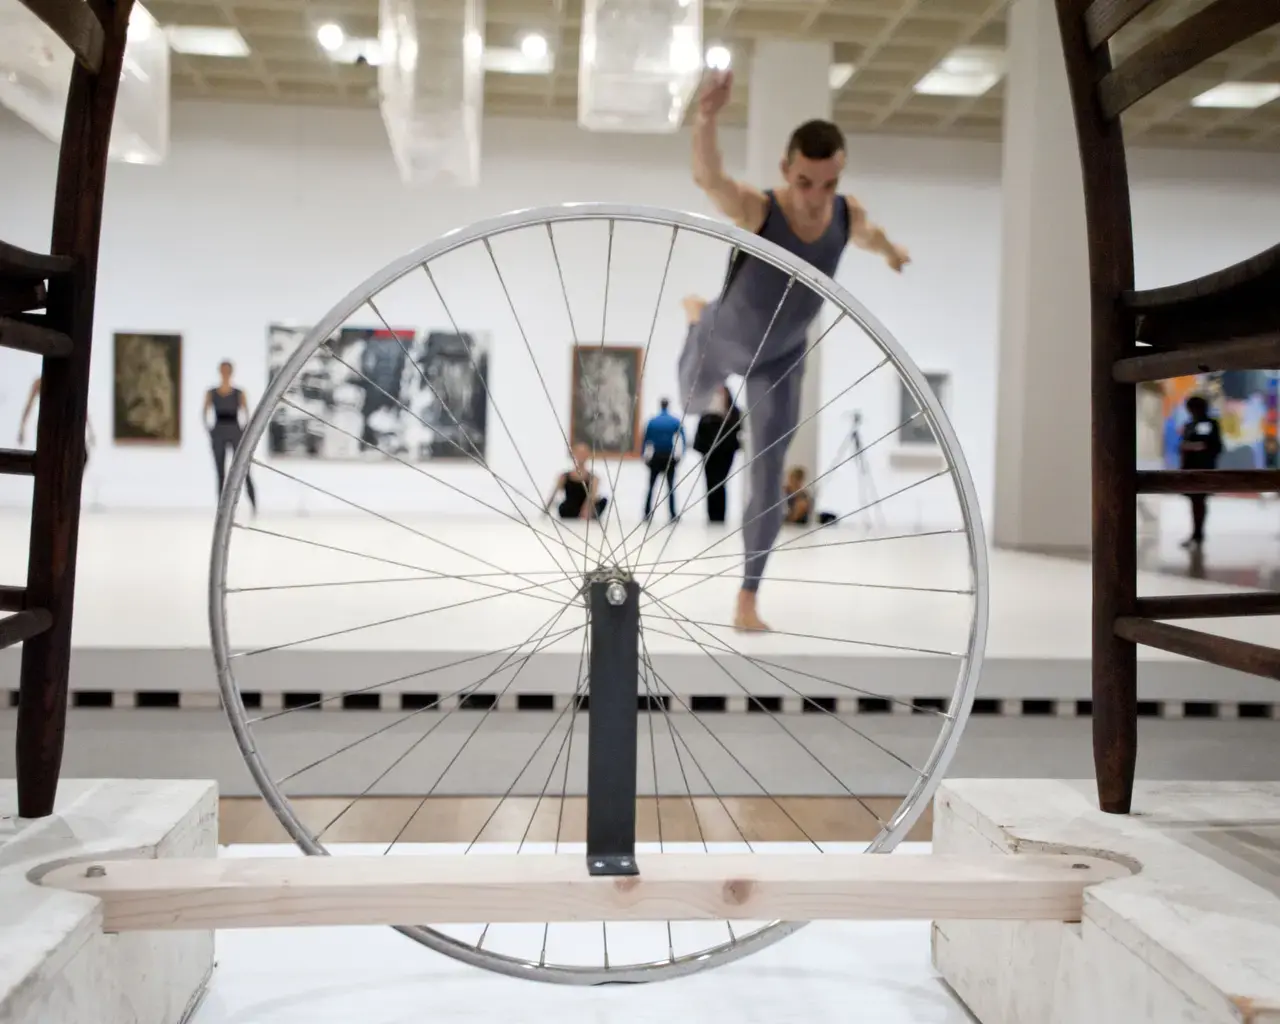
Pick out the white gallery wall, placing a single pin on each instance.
(268, 215)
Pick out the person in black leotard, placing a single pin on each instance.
(581, 489)
(226, 401)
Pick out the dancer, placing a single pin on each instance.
(226, 401)
(659, 447)
(716, 439)
(33, 396)
(581, 489)
(1200, 448)
(750, 331)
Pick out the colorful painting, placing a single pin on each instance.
(1245, 404)
(147, 391)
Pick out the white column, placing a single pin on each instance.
(789, 84)
(1042, 416)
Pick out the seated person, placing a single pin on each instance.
(799, 504)
(581, 489)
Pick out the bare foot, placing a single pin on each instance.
(693, 307)
(746, 619)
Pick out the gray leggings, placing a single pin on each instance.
(771, 411)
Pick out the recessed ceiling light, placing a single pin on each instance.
(200, 41)
(838, 75)
(534, 46)
(510, 61)
(1238, 95)
(330, 36)
(719, 58)
(355, 50)
(965, 71)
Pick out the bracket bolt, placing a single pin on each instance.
(95, 871)
(615, 593)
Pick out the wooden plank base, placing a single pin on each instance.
(267, 892)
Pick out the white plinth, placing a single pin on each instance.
(56, 965)
(1192, 937)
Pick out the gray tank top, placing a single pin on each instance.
(754, 289)
(226, 408)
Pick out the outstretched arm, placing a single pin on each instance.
(870, 236)
(742, 204)
(26, 410)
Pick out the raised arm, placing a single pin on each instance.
(870, 236)
(742, 204)
(26, 410)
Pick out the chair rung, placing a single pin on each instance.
(17, 462)
(75, 24)
(1208, 32)
(1208, 481)
(26, 336)
(23, 625)
(20, 265)
(1193, 643)
(21, 296)
(13, 599)
(1104, 18)
(1260, 353)
(1209, 606)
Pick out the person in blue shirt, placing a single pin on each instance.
(663, 435)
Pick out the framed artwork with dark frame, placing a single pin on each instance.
(604, 410)
(146, 392)
(918, 432)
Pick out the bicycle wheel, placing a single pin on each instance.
(492, 605)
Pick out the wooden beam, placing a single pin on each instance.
(22, 626)
(1104, 18)
(1208, 647)
(1209, 606)
(30, 335)
(1203, 35)
(76, 25)
(17, 462)
(1208, 481)
(252, 892)
(22, 265)
(1242, 354)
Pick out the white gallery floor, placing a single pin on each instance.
(327, 604)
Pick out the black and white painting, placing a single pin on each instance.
(918, 431)
(369, 393)
(454, 396)
(605, 404)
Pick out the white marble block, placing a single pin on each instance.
(56, 965)
(1191, 937)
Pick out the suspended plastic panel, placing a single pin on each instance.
(640, 64)
(431, 88)
(35, 74)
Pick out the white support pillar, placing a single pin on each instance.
(789, 84)
(1042, 416)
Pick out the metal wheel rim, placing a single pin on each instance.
(935, 767)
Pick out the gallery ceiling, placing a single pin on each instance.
(885, 48)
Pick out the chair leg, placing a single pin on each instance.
(1115, 572)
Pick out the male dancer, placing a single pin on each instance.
(749, 331)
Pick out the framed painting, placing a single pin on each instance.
(146, 398)
(918, 431)
(604, 410)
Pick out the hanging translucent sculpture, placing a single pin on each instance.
(431, 88)
(35, 75)
(640, 64)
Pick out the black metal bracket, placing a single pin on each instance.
(613, 602)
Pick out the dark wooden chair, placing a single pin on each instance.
(46, 307)
(1229, 320)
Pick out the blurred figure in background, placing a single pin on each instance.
(1201, 445)
(716, 440)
